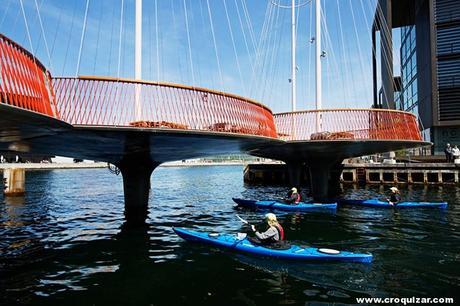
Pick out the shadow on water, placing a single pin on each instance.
(66, 243)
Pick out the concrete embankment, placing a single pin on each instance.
(377, 173)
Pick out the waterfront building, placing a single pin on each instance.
(428, 83)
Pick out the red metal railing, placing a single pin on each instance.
(121, 102)
(361, 124)
(25, 82)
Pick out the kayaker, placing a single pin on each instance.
(293, 197)
(395, 196)
(272, 235)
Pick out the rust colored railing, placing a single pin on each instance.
(24, 82)
(359, 124)
(122, 102)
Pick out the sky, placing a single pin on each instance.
(237, 46)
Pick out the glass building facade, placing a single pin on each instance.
(408, 98)
(429, 65)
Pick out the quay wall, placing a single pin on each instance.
(399, 173)
(51, 166)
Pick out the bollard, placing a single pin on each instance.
(14, 181)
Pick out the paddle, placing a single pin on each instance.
(244, 221)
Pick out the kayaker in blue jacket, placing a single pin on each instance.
(293, 197)
(395, 196)
(273, 234)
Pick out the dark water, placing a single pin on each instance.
(65, 244)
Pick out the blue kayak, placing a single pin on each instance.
(384, 204)
(275, 205)
(293, 252)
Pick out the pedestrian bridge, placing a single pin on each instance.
(138, 125)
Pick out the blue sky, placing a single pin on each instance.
(255, 63)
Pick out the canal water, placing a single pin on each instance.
(65, 243)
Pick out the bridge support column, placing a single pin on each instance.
(136, 170)
(295, 170)
(14, 181)
(324, 179)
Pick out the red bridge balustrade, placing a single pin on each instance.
(121, 102)
(25, 82)
(359, 124)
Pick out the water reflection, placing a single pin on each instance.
(66, 242)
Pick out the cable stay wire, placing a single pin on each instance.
(189, 44)
(249, 24)
(234, 47)
(43, 35)
(69, 39)
(243, 32)
(348, 72)
(261, 50)
(215, 47)
(56, 30)
(101, 13)
(331, 58)
(37, 73)
(120, 34)
(157, 45)
(82, 38)
(383, 26)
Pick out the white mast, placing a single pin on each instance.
(138, 58)
(293, 62)
(138, 47)
(318, 53)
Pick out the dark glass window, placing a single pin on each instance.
(408, 98)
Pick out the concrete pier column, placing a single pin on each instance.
(324, 179)
(295, 171)
(136, 170)
(14, 180)
(334, 179)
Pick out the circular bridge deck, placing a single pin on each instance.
(100, 118)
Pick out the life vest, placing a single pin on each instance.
(280, 230)
(298, 199)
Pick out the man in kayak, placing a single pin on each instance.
(395, 196)
(273, 235)
(293, 197)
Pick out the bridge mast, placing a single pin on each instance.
(293, 57)
(138, 58)
(318, 56)
(318, 53)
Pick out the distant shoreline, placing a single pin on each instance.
(201, 164)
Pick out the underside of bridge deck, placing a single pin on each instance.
(324, 159)
(135, 151)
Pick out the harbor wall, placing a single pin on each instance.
(399, 173)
